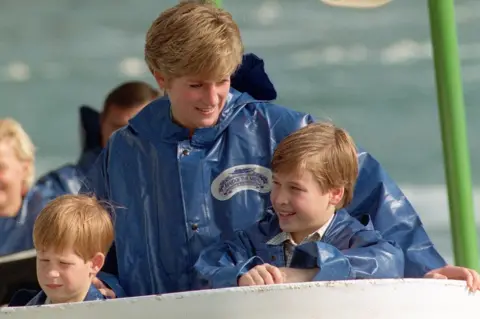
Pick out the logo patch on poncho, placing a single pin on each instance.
(240, 178)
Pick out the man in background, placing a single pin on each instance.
(120, 105)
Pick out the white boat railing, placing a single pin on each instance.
(382, 299)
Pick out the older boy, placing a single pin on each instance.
(314, 172)
(72, 235)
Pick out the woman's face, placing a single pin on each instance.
(13, 174)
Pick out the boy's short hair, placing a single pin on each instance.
(12, 131)
(194, 39)
(325, 150)
(77, 221)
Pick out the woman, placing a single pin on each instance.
(19, 201)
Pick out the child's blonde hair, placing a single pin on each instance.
(194, 39)
(77, 221)
(323, 149)
(11, 131)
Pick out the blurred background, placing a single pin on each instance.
(369, 71)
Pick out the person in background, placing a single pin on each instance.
(20, 200)
(120, 105)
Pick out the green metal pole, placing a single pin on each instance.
(454, 133)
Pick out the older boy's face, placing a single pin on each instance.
(196, 102)
(64, 277)
(302, 207)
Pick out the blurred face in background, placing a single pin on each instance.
(117, 117)
(13, 176)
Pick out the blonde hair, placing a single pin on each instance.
(11, 130)
(323, 149)
(194, 39)
(77, 221)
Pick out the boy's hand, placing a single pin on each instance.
(104, 290)
(292, 275)
(265, 274)
(459, 273)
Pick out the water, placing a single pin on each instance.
(370, 71)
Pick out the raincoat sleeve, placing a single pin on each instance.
(97, 183)
(392, 215)
(221, 264)
(368, 257)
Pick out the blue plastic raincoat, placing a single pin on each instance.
(347, 250)
(175, 194)
(41, 297)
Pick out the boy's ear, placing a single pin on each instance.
(336, 196)
(97, 262)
